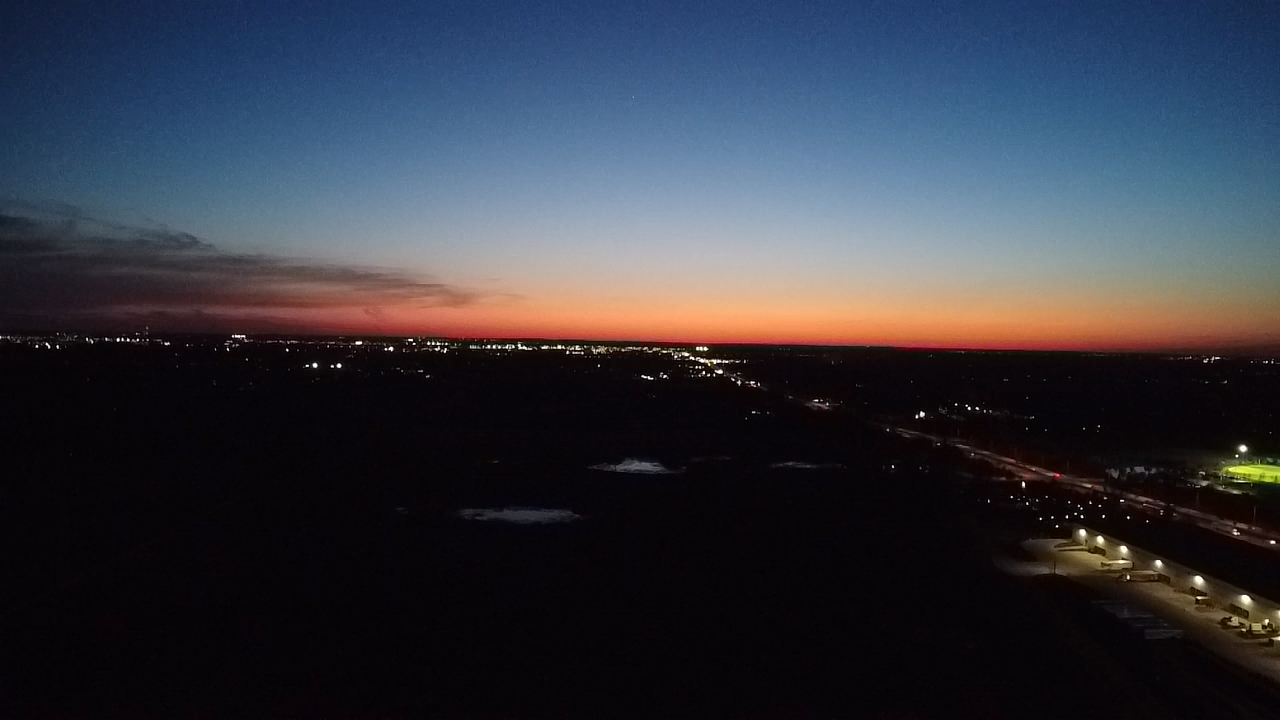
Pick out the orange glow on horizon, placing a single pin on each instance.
(922, 325)
(1016, 315)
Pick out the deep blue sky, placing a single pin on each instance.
(1003, 173)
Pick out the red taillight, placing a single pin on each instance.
(1057, 475)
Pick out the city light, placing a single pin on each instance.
(1242, 449)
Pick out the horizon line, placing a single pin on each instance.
(1267, 351)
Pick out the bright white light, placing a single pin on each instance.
(339, 366)
(1080, 532)
(359, 342)
(1158, 564)
(1246, 599)
(1124, 549)
(1243, 448)
(1197, 580)
(315, 365)
(1099, 540)
(1024, 484)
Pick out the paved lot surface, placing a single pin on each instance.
(1198, 624)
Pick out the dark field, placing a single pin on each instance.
(217, 532)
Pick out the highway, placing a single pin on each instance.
(1254, 534)
(1244, 532)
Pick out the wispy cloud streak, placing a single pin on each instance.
(59, 263)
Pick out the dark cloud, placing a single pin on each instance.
(198, 321)
(59, 264)
(17, 224)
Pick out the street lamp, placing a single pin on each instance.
(1242, 449)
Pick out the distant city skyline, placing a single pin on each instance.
(1075, 176)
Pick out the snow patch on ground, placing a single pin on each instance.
(801, 465)
(520, 515)
(632, 465)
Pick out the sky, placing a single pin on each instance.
(1049, 175)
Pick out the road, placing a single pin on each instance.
(1244, 532)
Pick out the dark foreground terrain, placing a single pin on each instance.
(213, 532)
